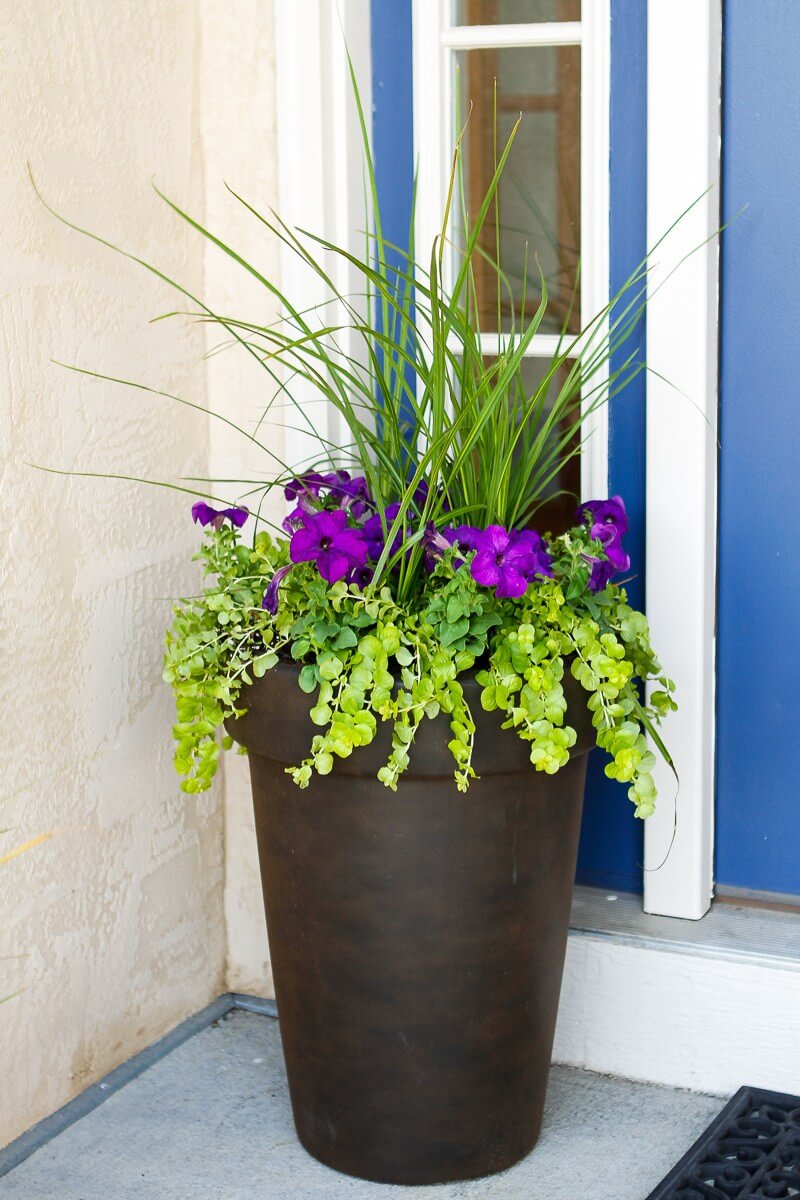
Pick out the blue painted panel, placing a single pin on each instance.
(393, 145)
(611, 848)
(758, 812)
(392, 115)
(611, 839)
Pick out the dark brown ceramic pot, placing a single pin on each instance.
(417, 938)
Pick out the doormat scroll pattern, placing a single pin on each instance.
(751, 1149)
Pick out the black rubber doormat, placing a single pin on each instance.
(751, 1149)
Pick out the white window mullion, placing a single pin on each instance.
(501, 37)
(544, 345)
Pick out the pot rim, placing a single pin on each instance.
(277, 726)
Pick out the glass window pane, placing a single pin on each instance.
(539, 195)
(514, 12)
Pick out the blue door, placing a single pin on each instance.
(611, 843)
(758, 800)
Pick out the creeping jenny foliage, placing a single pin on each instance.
(366, 658)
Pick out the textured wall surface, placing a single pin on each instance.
(121, 914)
(237, 89)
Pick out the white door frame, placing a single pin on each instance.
(683, 168)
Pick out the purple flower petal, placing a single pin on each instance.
(600, 574)
(421, 493)
(373, 532)
(236, 516)
(207, 515)
(333, 566)
(307, 489)
(270, 601)
(326, 540)
(495, 539)
(342, 487)
(529, 553)
(485, 569)
(608, 521)
(351, 542)
(509, 560)
(466, 537)
(605, 512)
(203, 513)
(304, 546)
(294, 520)
(436, 543)
(612, 545)
(308, 485)
(361, 576)
(512, 584)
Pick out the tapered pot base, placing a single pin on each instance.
(415, 1173)
(417, 941)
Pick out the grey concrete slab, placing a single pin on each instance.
(211, 1121)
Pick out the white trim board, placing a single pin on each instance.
(321, 175)
(683, 1019)
(595, 220)
(709, 1005)
(683, 159)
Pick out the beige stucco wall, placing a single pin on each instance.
(122, 913)
(239, 137)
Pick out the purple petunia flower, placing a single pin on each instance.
(351, 493)
(207, 515)
(270, 601)
(611, 541)
(294, 520)
(304, 485)
(326, 540)
(601, 573)
(604, 569)
(421, 493)
(374, 533)
(465, 537)
(361, 576)
(436, 543)
(609, 521)
(605, 513)
(507, 560)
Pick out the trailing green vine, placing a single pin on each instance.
(364, 659)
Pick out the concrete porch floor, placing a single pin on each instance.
(211, 1121)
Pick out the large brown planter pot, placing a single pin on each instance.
(417, 938)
